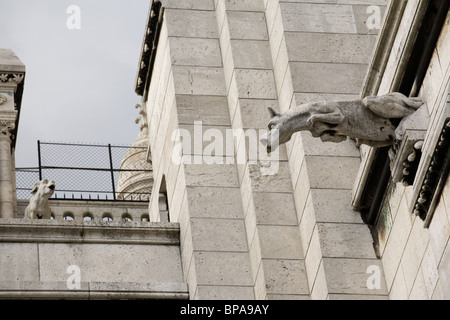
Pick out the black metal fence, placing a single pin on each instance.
(81, 171)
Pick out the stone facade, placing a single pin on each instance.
(224, 227)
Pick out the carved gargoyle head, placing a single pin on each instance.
(43, 188)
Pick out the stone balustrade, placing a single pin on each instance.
(85, 210)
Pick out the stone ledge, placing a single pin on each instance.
(119, 232)
(92, 290)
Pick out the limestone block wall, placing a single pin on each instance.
(416, 260)
(245, 234)
(273, 236)
(321, 50)
(203, 198)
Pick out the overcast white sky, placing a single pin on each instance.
(79, 84)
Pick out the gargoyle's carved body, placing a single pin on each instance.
(366, 120)
(39, 207)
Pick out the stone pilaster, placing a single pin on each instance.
(6, 172)
(12, 73)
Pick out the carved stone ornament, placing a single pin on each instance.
(435, 178)
(3, 99)
(366, 120)
(7, 127)
(11, 78)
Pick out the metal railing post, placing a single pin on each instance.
(112, 171)
(39, 159)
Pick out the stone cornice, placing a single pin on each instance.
(149, 46)
(114, 232)
(435, 177)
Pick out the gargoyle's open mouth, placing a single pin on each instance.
(51, 187)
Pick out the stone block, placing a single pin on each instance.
(223, 268)
(255, 84)
(418, 291)
(327, 77)
(211, 110)
(218, 235)
(211, 175)
(195, 52)
(199, 80)
(274, 208)
(280, 242)
(189, 4)
(307, 224)
(224, 293)
(19, 262)
(304, 16)
(430, 272)
(254, 112)
(319, 289)
(331, 172)
(313, 258)
(396, 243)
(202, 24)
(331, 205)
(244, 5)
(331, 48)
(346, 240)
(279, 182)
(131, 263)
(247, 25)
(207, 202)
(414, 253)
(251, 54)
(350, 276)
(285, 276)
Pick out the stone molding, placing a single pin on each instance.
(149, 47)
(92, 290)
(11, 78)
(434, 180)
(98, 232)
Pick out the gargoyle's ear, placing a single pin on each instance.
(272, 113)
(35, 187)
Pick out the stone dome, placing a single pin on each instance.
(136, 175)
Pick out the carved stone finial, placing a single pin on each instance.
(366, 120)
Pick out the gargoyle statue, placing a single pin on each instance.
(39, 207)
(366, 120)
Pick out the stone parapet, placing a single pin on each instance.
(55, 259)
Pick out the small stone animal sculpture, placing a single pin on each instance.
(39, 207)
(367, 120)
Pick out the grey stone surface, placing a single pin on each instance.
(9, 62)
